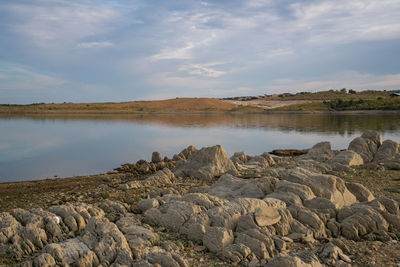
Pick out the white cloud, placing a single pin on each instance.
(203, 69)
(172, 81)
(59, 23)
(174, 53)
(95, 45)
(348, 79)
(346, 21)
(280, 52)
(20, 78)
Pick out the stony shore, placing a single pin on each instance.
(202, 208)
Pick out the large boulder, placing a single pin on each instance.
(348, 158)
(366, 145)
(206, 164)
(230, 187)
(388, 155)
(360, 192)
(325, 186)
(319, 152)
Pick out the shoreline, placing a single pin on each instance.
(249, 199)
(188, 112)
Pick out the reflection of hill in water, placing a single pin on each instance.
(324, 123)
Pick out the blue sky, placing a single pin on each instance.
(65, 50)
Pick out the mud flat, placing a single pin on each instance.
(202, 208)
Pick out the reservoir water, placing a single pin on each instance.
(44, 146)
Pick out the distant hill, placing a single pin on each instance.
(176, 104)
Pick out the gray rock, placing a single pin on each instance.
(107, 241)
(156, 157)
(44, 260)
(239, 157)
(71, 252)
(387, 151)
(360, 192)
(359, 220)
(236, 252)
(348, 158)
(291, 261)
(265, 216)
(146, 204)
(217, 238)
(206, 164)
(366, 145)
(326, 186)
(319, 152)
(231, 187)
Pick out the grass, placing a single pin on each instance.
(333, 94)
(380, 103)
(176, 104)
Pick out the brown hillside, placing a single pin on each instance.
(185, 104)
(176, 104)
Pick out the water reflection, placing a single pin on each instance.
(37, 146)
(323, 123)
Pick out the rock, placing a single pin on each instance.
(217, 238)
(319, 152)
(288, 152)
(113, 207)
(187, 152)
(173, 214)
(138, 237)
(344, 257)
(230, 187)
(348, 158)
(236, 252)
(156, 157)
(265, 160)
(303, 191)
(71, 252)
(360, 192)
(258, 247)
(44, 260)
(266, 216)
(228, 215)
(325, 186)
(146, 204)
(239, 157)
(274, 202)
(291, 261)
(106, 240)
(387, 151)
(359, 220)
(206, 164)
(199, 248)
(160, 178)
(366, 145)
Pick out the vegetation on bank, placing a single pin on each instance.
(339, 104)
(305, 101)
(176, 104)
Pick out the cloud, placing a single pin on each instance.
(203, 69)
(21, 78)
(59, 23)
(172, 81)
(348, 79)
(347, 21)
(95, 45)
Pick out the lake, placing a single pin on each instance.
(44, 146)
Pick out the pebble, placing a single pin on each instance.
(199, 248)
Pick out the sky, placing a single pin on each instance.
(97, 51)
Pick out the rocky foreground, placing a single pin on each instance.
(238, 211)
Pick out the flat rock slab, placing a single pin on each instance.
(266, 216)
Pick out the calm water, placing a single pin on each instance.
(37, 147)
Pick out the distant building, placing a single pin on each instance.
(395, 94)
